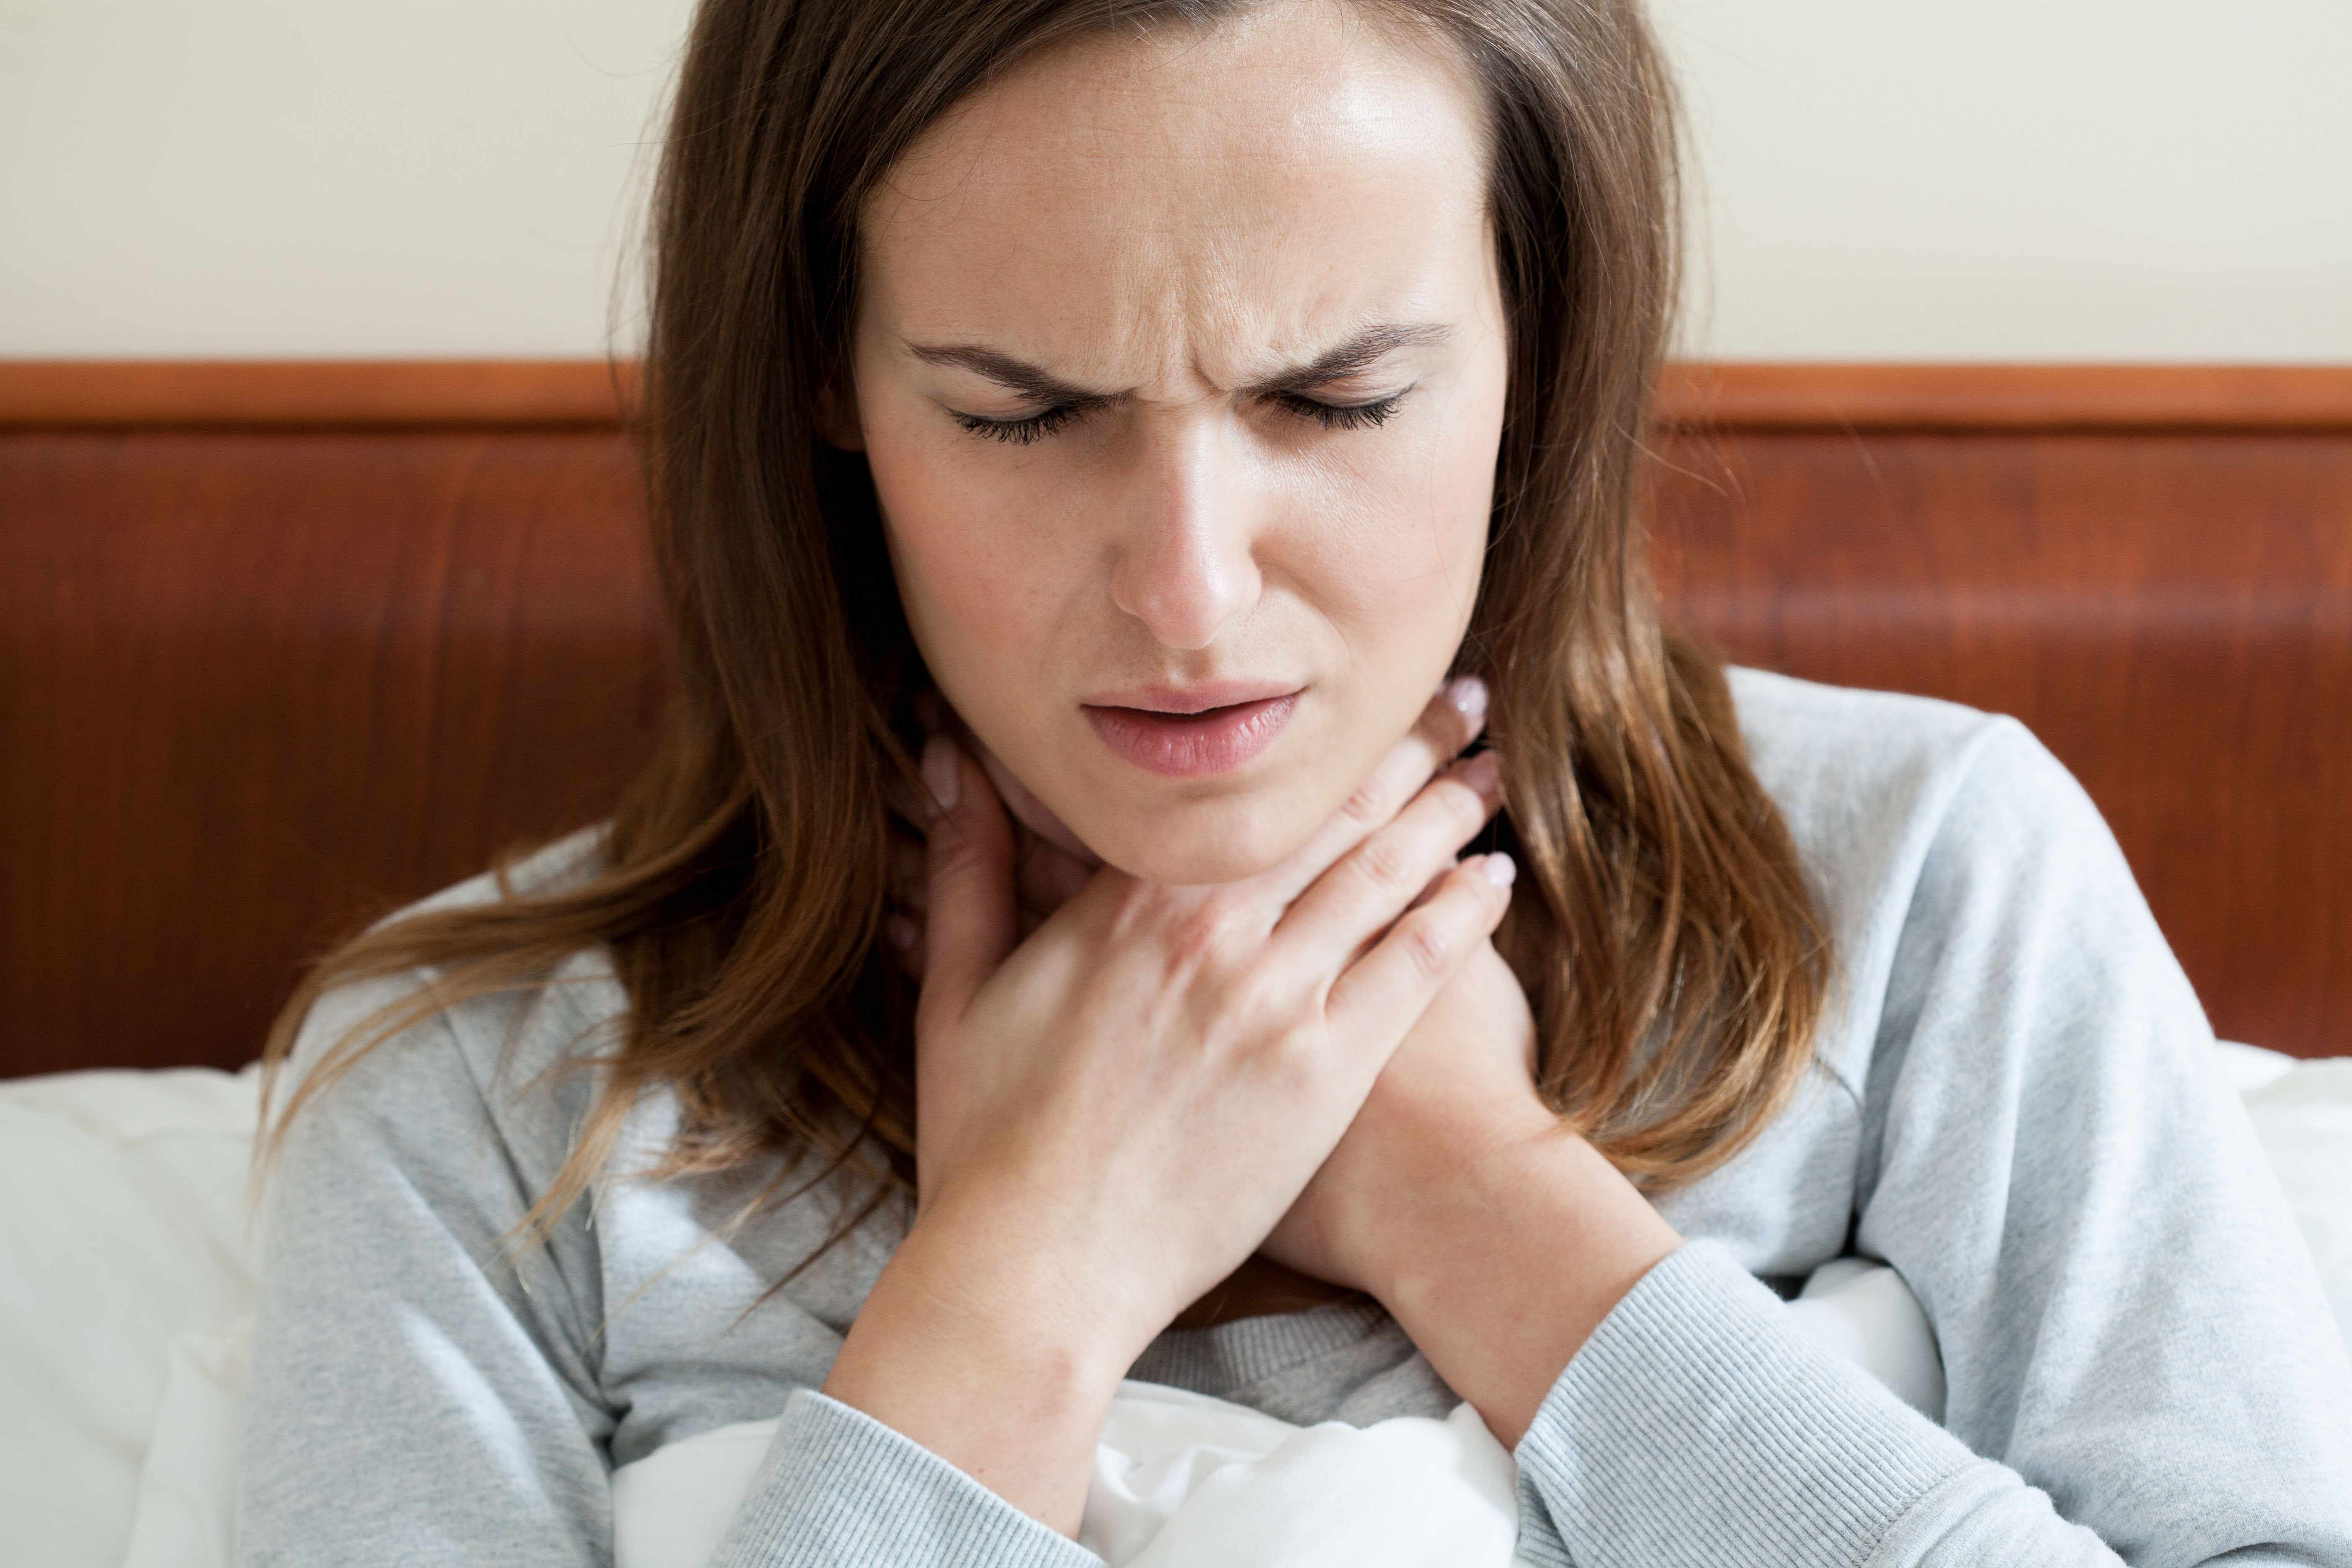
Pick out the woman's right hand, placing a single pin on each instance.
(1113, 1114)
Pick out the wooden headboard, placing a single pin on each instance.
(287, 645)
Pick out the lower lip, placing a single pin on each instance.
(1193, 745)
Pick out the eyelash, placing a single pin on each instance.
(1331, 416)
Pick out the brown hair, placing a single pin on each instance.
(1663, 928)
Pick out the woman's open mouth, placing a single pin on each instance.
(1192, 745)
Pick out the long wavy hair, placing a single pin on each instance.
(1674, 959)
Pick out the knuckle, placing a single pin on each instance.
(1287, 1045)
(1299, 1061)
(1465, 806)
(1135, 908)
(1428, 945)
(1194, 938)
(1206, 929)
(1385, 864)
(953, 858)
(1256, 998)
(1366, 806)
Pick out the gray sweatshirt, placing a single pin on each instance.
(2017, 1105)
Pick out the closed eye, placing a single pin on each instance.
(1021, 432)
(1044, 422)
(1343, 415)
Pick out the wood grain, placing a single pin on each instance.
(254, 688)
(2007, 397)
(2171, 616)
(98, 395)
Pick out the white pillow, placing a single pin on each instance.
(2304, 1118)
(2249, 1068)
(123, 1228)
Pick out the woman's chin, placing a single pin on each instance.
(1195, 854)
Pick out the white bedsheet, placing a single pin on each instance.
(1183, 1480)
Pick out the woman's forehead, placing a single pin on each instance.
(1260, 184)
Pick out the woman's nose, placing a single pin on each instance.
(1186, 564)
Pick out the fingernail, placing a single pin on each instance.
(1500, 869)
(1468, 695)
(940, 770)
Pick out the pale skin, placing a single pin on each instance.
(1251, 1044)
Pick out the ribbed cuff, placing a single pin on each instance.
(840, 1489)
(1698, 1426)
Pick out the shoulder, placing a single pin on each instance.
(1916, 818)
(445, 1058)
(1855, 772)
(1836, 758)
(552, 867)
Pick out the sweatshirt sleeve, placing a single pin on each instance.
(2140, 1366)
(416, 1400)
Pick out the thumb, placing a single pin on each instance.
(969, 924)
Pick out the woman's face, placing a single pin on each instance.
(1180, 367)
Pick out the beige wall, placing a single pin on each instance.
(1881, 179)
(318, 177)
(2021, 179)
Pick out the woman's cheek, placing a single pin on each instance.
(970, 572)
(1401, 550)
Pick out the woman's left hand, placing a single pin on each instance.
(1460, 1085)
(1496, 1236)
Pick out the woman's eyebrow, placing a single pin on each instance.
(1334, 363)
(1019, 376)
(1355, 353)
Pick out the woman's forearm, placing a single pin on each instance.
(989, 1362)
(1500, 1266)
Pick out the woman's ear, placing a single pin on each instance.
(836, 414)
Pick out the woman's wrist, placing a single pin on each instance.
(986, 1362)
(1500, 1264)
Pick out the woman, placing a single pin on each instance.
(1160, 400)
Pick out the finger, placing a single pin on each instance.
(903, 926)
(1452, 720)
(1046, 875)
(1375, 881)
(904, 801)
(1380, 995)
(905, 935)
(968, 926)
(1429, 890)
(1033, 816)
(909, 873)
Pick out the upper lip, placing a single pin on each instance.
(1193, 699)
